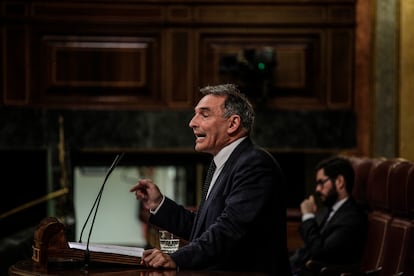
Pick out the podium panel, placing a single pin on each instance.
(28, 268)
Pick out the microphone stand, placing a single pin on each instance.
(96, 203)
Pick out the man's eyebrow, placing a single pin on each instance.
(201, 109)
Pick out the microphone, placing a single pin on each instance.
(96, 203)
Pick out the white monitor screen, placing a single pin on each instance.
(117, 220)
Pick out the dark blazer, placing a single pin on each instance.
(342, 239)
(242, 225)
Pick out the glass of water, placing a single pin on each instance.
(168, 242)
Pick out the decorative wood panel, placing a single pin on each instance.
(155, 54)
(101, 63)
(341, 68)
(269, 66)
(100, 69)
(15, 59)
(180, 73)
(291, 67)
(88, 11)
(289, 14)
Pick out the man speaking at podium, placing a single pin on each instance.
(240, 224)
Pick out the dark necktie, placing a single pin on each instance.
(206, 185)
(207, 182)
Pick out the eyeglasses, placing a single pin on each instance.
(322, 181)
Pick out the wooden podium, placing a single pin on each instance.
(27, 268)
(53, 256)
(51, 246)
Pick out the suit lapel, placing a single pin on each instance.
(337, 215)
(225, 171)
(201, 214)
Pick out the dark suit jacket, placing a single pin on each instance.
(342, 239)
(242, 225)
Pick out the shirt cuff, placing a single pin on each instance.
(154, 211)
(307, 216)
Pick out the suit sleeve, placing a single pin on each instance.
(174, 218)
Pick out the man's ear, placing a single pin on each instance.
(340, 182)
(234, 123)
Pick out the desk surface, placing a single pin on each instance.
(26, 268)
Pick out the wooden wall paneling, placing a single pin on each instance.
(179, 14)
(260, 14)
(98, 12)
(340, 73)
(156, 54)
(179, 60)
(15, 73)
(308, 90)
(291, 69)
(230, 55)
(363, 73)
(96, 55)
(179, 68)
(96, 62)
(86, 69)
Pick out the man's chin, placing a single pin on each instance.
(198, 148)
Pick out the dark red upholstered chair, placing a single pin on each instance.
(362, 167)
(380, 216)
(399, 233)
(377, 189)
(410, 192)
(397, 188)
(409, 254)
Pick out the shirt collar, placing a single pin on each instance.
(338, 204)
(221, 157)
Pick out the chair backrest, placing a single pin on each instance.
(409, 253)
(380, 216)
(397, 188)
(378, 223)
(362, 167)
(399, 230)
(410, 193)
(396, 245)
(377, 184)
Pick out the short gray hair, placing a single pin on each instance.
(235, 103)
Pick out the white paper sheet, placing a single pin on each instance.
(109, 248)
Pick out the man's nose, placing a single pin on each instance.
(318, 188)
(191, 124)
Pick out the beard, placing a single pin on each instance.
(330, 199)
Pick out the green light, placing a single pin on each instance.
(261, 66)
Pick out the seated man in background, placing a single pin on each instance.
(335, 233)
